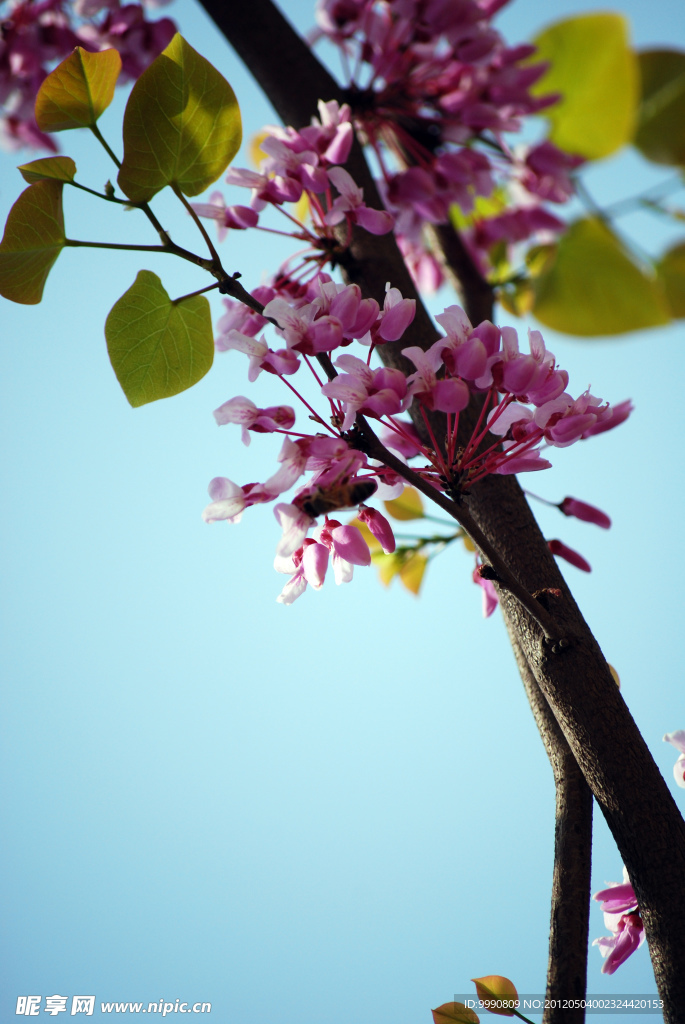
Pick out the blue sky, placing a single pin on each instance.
(336, 811)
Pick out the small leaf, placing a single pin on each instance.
(408, 506)
(33, 239)
(412, 572)
(50, 168)
(157, 347)
(671, 272)
(388, 565)
(615, 676)
(454, 1013)
(493, 990)
(77, 91)
(660, 132)
(593, 287)
(181, 125)
(594, 68)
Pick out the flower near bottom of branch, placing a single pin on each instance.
(622, 918)
(587, 513)
(677, 738)
(562, 550)
(490, 598)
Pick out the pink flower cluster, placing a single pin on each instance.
(525, 405)
(36, 34)
(622, 918)
(429, 81)
(301, 163)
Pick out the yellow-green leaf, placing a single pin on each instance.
(660, 132)
(408, 506)
(671, 273)
(158, 347)
(454, 1013)
(592, 286)
(33, 239)
(594, 68)
(388, 565)
(50, 168)
(181, 126)
(615, 676)
(77, 91)
(496, 992)
(412, 572)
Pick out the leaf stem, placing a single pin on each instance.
(203, 231)
(110, 152)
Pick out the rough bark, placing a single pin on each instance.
(577, 684)
(570, 917)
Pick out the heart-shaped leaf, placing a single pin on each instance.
(408, 506)
(454, 1013)
(77, 91)
(671, 273)
(33, 239)
(50, 168)
(498, 994)
(157, 347)
(592, 286)
(661, 129)
(594, 68)
(181, 126)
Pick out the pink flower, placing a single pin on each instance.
(379, 527)
(560, 549)
(350, 203)
(490, 598)
(587, 513)
(622, 918)
(245, 412)
(678, 740)
(374, 392)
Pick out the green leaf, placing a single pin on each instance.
(157, 347)
(181, 126)
(671, 273)
(77, 91)
(594, 68)
(33, 239)
(661, 127)
(592, 286)
(50, 168)
(408, 506)
(454, 1013)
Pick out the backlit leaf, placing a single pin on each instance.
(158, 347)
(592, 286)
(408, 506)
(388, 565)
(77, 91)
(671, 273)
(181, 126)
(615, 676)
(33, 239)
(594, 68)
(454, 1013)
(494, 990)
(412, 572)
(50, 168)
(661, 116)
